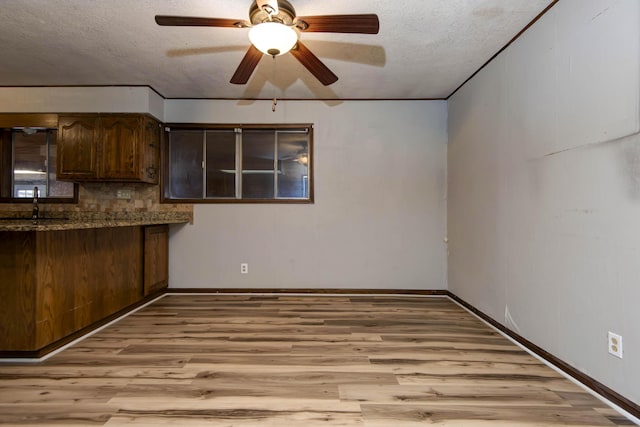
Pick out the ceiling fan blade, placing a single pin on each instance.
(194, 21)
(247, 65)
(313, 64)
(362, 24)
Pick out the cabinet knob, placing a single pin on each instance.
(151, 172)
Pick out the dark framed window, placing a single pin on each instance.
(238, 164)
(29, 163)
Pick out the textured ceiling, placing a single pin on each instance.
(425, 48)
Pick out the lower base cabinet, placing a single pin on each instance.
(156, 258)
(55, 283)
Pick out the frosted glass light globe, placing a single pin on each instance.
(273, 38)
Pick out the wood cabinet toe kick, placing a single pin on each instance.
(55, 284)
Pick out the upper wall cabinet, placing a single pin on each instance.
(108, 147)
(76, 148)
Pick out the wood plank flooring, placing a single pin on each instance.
(251, 360)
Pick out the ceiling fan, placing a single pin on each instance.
(274, 30)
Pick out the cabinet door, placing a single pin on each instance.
(156, 258)
(151, 142)
(77, 148)
(120, 147)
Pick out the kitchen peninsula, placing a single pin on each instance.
(63, 276)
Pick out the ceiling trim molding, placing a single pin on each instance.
(81, 86)
(516, 37)
(307, 99)
(226, 99)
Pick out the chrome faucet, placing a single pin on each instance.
(36, 209)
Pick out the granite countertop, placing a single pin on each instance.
(79, 220)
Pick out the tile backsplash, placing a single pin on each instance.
(103, 198)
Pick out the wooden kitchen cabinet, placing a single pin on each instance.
(108, 147)
(77, 142)
(55, 283)
(156, 258)
(120, 142)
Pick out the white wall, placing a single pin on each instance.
(544, 187)
(378, 220)
(115, 99)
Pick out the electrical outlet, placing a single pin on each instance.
(123, 194)
(615, 344)
(244, 268)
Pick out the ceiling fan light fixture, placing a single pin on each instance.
(273, 38)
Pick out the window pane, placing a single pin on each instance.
(185, 151)
(257, 164)
(221, 164)
(293, 165)
(31, 153)
(30, 163)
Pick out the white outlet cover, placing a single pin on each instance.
(123, 194)
(615, 344)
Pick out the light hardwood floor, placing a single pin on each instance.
(228, 360)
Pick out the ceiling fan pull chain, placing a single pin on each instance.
(275, 98)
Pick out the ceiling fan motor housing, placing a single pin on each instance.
(263, 11)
